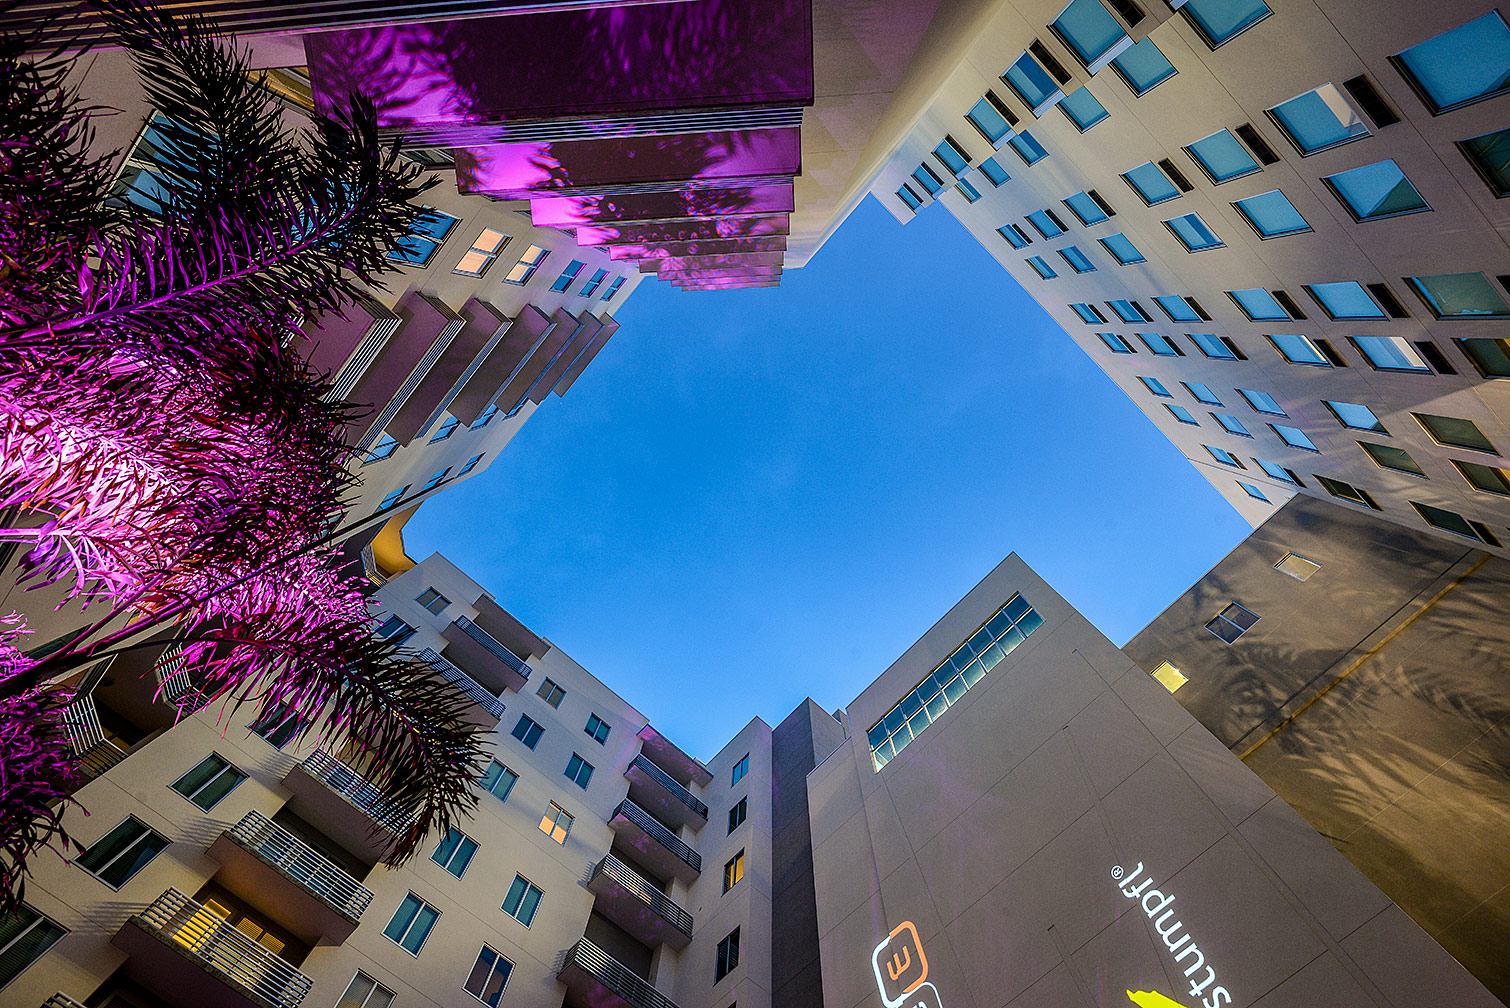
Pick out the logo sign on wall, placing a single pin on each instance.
(902, 970)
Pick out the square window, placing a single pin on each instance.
(365, 992)
(433, 601)
(1222, 157)
(1447, 521)
(278, 725)
(1158, 344)
(1258, 304)
(1155, 386)
(1045, 224)
(928, 179)
(1253, 491)
(991, 118)
(1213, 346)
(527, 731)
(1390, 353)
(597, 728)
(1277, 471)
(1461, 66)
(482, 253)
(1089, 31)
(1346, 491)
(1028, 148)
(526, 266)
(1231, 424)
(498, 780)
(1129, 311)
(1219, 21)
(1262, 402)
(909, 197)
(594, 283)
(1460, 295)
(1122, 249)
(1490, 154)
(1319, 120)
(208, 781)
(1089, 314)
(965, 189)
(1042, 268)
(1345, 300)
(1032, 83)
(1169, 677)
(523, 900)
(579, 771)
(740, 769)
(1176, 307)
(444, 430)
(430, 230)
(393, 498)
(568, 275)
(1078, 260)
(1225, 457)
(1082, 108)
(1201, 393)
(1294, 437)
(1143, 67)
(1355, 416)
(734, 871)
(1298, 567)
(1455, 432)
(1232, 622)
(385, 447)
(483, 418)
(24, 937)
(1014, 236)
(1298, 349)
(556, 823)
(471, 464)
(411, 924)
(550, 693)
(1085, 208)
(1150, 182)
(454, 852)
(1390, 457)
(994, 172)
(613, 289)
(1115, 343)
(435, 479)
(952, 156)
(1182, 414)
(489, 976)
(1486, 478)
(1193, 233)
(1376, 191)
(1490, 356)
(738, 813)
(1272, 214)
(728, 956)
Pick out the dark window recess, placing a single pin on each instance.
(1346, 491)
(1175, 175)
(1002, 107)
(1387, 300)
(1200, 312)
(1060, 224)
(1434, 357)
(1227, 340)
(1295, 476)
(957, 148)
(1504, 282)
(1257, 144)
(1141, 311)
(1053, 66)
(1330, 353)
(1177, 351)
(1130, 12)
(1106, 207)
(1371, 101)
(1484, 533)
(1288, 304)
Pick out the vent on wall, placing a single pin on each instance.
(1387, 300)
(1257, 144)
(1050, 63)
(1288, 304)
(1106, 207)
(1371, 101)
(1130, 12)
(1175, 175)
(1434, 357)
(1330, 353)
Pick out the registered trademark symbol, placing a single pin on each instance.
(1117, 871)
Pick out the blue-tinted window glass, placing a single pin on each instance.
(1390, 353)
(967, 190)
(430, 229)
(568, 275)
(909, 197)
(1294, 437)
(1044, 224)
(1182, 414)
(1376, 191)
(1031, 82)
(1193, 233)
(1176, 308)
(1466, 64)
(951, 158)
(1085, 208)
(1221, 20)
(1122, 250)
(1298, 349)
(1155, 386)
(1212, 346)
(1277, 471)
(1143, 67)
(1232, 424)
(1253, 491)
(1042, 268)
(1448, 521)
(1077, 260)
(1150, 182)
(1028, 148)
(928, 179)
(1083, 109)
(1262, 402)
(1158, 344)
(1345, 300)
(1460, 295)
(1201, 393)
(1089, 29)
(994, 172)
(1272, 214)
(1319, 119)
(1223, 456)
(1258, 304)
(1127, 311)
(1088, 315)
(991, 123)
(1115, 343)
(1012, 236)
(1355, 416)
(1222, 157)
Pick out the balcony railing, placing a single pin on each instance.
(61, 1000)
(352, 786)
(216, 943)
(87, 738)
(489, 642)
(667, 839)
(666, 781)
(657, 900)
(300, 862)
(617, 977)
(464, 682)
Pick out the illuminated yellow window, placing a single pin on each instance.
(1297, 566)
(556, 823)
(734, 871)
(1169, 677)
(483, 251)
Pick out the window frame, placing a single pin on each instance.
(1403, 68)
(739, 813)
(429, 928)
(1205, 36)
(739, 770)
(39, 920)
(734, 871)
(1274, 117)
(462, 842)
(531, 265)
(488, 256)
(504, 772)
(555, 821)
(727, 960)
(591, 730)
(492, 970)
(524, 895)
(574, 774)
(522, 729)
(1263, 235)
(226, 765)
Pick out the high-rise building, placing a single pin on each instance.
(1013, 814)
(1279, 227)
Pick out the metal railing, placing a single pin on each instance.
(352, 786)
(61, 1000)
(212, 939)
(178, 686)
(668, 782)
(658, 901)
(471, 687)
(302, 863)
(488, 641)
(667, 839)
(616, 976)
(87, 738)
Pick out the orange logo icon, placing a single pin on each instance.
(900, 965)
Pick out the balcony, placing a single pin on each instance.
(61, 1000)
(638, 907)
(490, 663)
(486, 709)
(341, 803)
(285, 878)
(95, 752)
(655, 846)
(653, 790)
(595, 978)
(232, 970)
(669, 757)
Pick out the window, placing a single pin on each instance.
(444, 430)
(965, 189)
(454, 852)
(1143, 67)
(1219, 21)
(1232, 622)
(1201, 393)
(1490, 356)
(1028, 148)
(928, 179)
(579, 771)
(1182, 414)
(1390, 353)
(952, 156)
(1490, 155)
(1032, 84)
(498, 780)
(1253, 491)
(278, 725)
(433, 600)
(1115, 343)
(594, 283)
(394, 630)
(385, 447)
(613, 289)
(435, 479)
(994, 172)
(1231, 424)
(1222, 157)
(1376, 191)
(1089, 314)
(208, 781)
(728, 956)
(393, 498)
(1046, 223)
(430, 229)
(991, 118)
(1258, 304)
(1460, 295)
(1225, 457)
(1461, 66)
(1345, 300)
(1015, 236)
(1078, 261)
(738, 813)
(1193, 233)
(482, 253)
(568, 275)
(522, 901)
(1177, 308)
(526, 266)
(1447, 521)
(1261, 402)
(597, 728)
(734, 870)
(740, 769)
(1154, 385)
(411, 924)
(1161, 345)
(24, 937)
(1278, 472)
(1485, 478)
(1149, 181)
(1089, 31)
(550, 693)
(1169, 677)
(1122, 249)
(1042, 268)
(1390, 457)
(556, 823)
(489, 977)
(1319, 120)
(470, 465)
(483, 418)
(1298, 349)
(1354, 416)
(906, 195)
(1085, 208)
(1082, 108)
(1129, 311)
(1346, 491)
(1455, 432)
(1213, 346)
(1294, 437)
(1272, 214)
(365, 992)
(527, 731)
(1298, 567)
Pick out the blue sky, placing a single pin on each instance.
(755, 496)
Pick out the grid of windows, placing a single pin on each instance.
(498, 780)
(1008, 627)
(435, 479)
(411, 924)
(734, 871)
(579, 771)
(208, 781)
(556, 823)
(728, 956)
(489, 977)
(527, 731)
(454, 852)
(738, 813)
(597, 728)
(523, 900)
